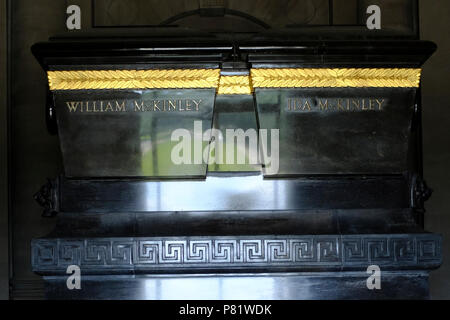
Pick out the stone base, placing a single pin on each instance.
(239, 267)
(282, 286)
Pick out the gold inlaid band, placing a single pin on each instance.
(235, 85)
(333, 78)
(211, 78)
(133, 79)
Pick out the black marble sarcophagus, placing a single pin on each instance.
(260, 168)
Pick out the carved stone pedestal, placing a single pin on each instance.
(210, 266)
(346, 192)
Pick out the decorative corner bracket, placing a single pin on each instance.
(48, 198)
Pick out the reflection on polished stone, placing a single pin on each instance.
(274, 286)
(128, 133)
(340, 130)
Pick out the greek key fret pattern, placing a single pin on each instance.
(298, 252)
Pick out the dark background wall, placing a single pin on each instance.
(3, 156)
(36, 156)
(435, 26)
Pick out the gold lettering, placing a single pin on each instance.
(336, 104)
(109, 107)
(197, 104)
(155, 105)
(356, 104)
(87, 107)
(188, 105)
(340, 106)
(138, 107)
(307, 106)
(380, 104)
(363, 105)
(323, 106)
(72, 106)
(289, 101)
(120, 107)
(172, 105)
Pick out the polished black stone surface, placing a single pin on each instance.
(129, 133)
(349, 193)
(235, 191)
(339, 130)
(274, 286)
